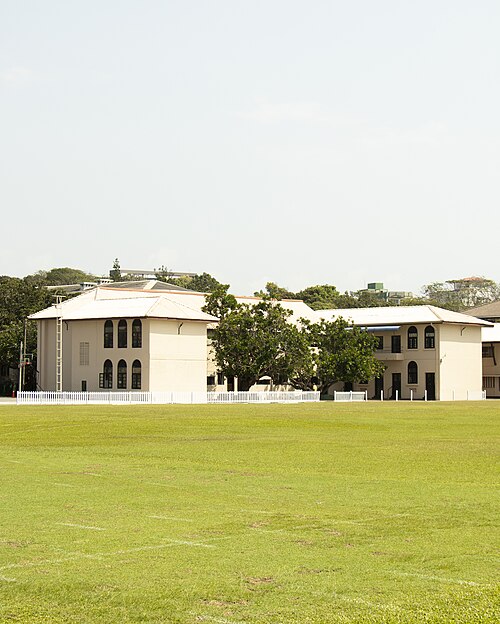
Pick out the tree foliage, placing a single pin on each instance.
(340, 352)
(203, 282)
(460, 294)
(251, 342)
(116, 274)
(275, 292)
(20, 297)
(254, 341)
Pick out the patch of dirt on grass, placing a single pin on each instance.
(257, 525)
(259, 580)
(333, 532)
(224, 603)
(13, 544)
(304, 542)
(318, 570)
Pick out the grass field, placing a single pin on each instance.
(249, 514)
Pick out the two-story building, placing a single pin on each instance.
(428, 352)
(123, 338)
(491, 347)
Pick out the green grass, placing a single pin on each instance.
(249, 514)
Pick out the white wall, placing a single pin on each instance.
(178, 356)
(460, 358)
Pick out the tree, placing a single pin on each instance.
(275, 292)
(460, 294)
(19, 298)
(115, 274)
(340, 352)
(220, 302)
(203, 282)
(256, 341)
(320, 297)
(66, 275)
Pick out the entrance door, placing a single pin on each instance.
(396, 385)
(230, 383)
(395, 344)
(430, 386)
(379, 387)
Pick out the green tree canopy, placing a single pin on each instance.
(203, 282)
(64, 275)
(275, 292)
(255, 341)
(340, 352)
(460, 294)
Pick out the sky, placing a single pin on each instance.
(300, 142)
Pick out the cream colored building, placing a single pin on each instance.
(428, 352)
(491, 347)
(491, 361)
(125, 339)
(151, 336)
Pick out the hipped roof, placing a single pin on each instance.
(103, 303)
(401, 315)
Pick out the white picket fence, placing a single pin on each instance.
(161, 398)
(350, 396)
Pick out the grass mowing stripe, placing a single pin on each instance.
(80, 526)
(101, 555)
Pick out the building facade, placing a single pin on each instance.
(120, 339)
(428, 352)
(147, 336)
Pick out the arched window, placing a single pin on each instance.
(430, 341)
(108, 335)
(412, 337)
(136, 334)
(136, 375)
(106, 377)
(122, 334)
(122, 375)
(412, 373)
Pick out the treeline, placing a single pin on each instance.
(20, 297)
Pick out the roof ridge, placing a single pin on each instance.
(183, 305)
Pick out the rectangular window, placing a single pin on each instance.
(136, 381)
(380, 344)
(84, 385)
(211, 380)
(488, 351)
(395, 344)
(106, 380)
(210, 333)
(220, 379)
(84, 353)
(488, 382)
(122, 381)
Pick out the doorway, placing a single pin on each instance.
(379, 387)
(396, 385)
(430, 386)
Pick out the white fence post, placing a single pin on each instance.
(425, 395)
(381, 395)
(397, 395)
(411, 395)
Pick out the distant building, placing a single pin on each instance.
(377, 290)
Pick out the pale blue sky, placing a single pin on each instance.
(299, 142)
